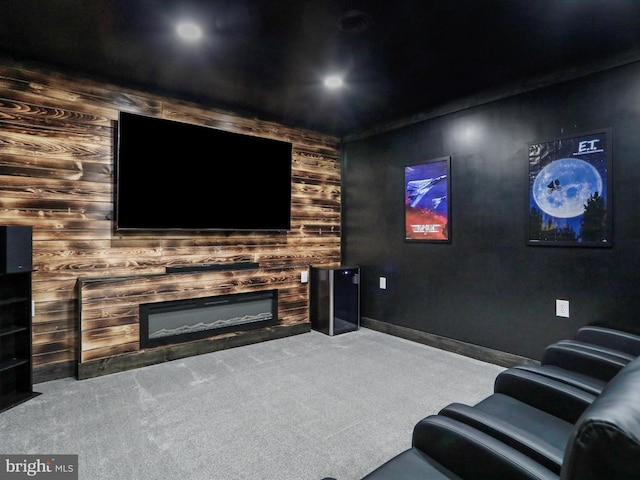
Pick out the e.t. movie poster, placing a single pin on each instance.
(570, 191)
(427, 201)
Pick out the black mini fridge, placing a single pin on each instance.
(334, 299)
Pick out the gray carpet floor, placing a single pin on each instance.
(298, 408)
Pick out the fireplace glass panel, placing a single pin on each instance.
(172, 322)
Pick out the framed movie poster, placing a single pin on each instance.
(570, 191)
(427, 201)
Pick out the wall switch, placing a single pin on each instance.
(562, 308)
(304, 276)
(383, 283)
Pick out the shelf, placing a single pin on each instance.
(13, 363)
(12, 300)
(13, 329)
(16, 384)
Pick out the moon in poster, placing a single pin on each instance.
(563, 187)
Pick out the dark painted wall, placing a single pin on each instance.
(488, 287)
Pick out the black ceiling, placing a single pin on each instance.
(267, 58)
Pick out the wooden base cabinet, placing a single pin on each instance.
(16, 384)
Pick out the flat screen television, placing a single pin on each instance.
(177, 176)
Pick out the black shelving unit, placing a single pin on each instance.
(16, 384)
(16, 373)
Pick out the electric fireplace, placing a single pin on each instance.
(178, 321)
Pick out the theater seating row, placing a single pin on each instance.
(576, 416)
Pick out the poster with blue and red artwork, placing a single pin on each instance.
(427, 214)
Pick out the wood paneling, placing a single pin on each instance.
(56, 174)
(109, 320)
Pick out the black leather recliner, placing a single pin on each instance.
(565, 433)
(532, 413)
(590, 360)
(445, 449)
(617, 340)
(605, 443)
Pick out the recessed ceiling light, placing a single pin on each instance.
(189, 31)
(333, 81)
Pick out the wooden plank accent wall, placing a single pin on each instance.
(56, 174)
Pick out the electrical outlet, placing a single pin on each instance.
(383, 283)
(562, 308)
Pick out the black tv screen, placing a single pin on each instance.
(178, 176)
